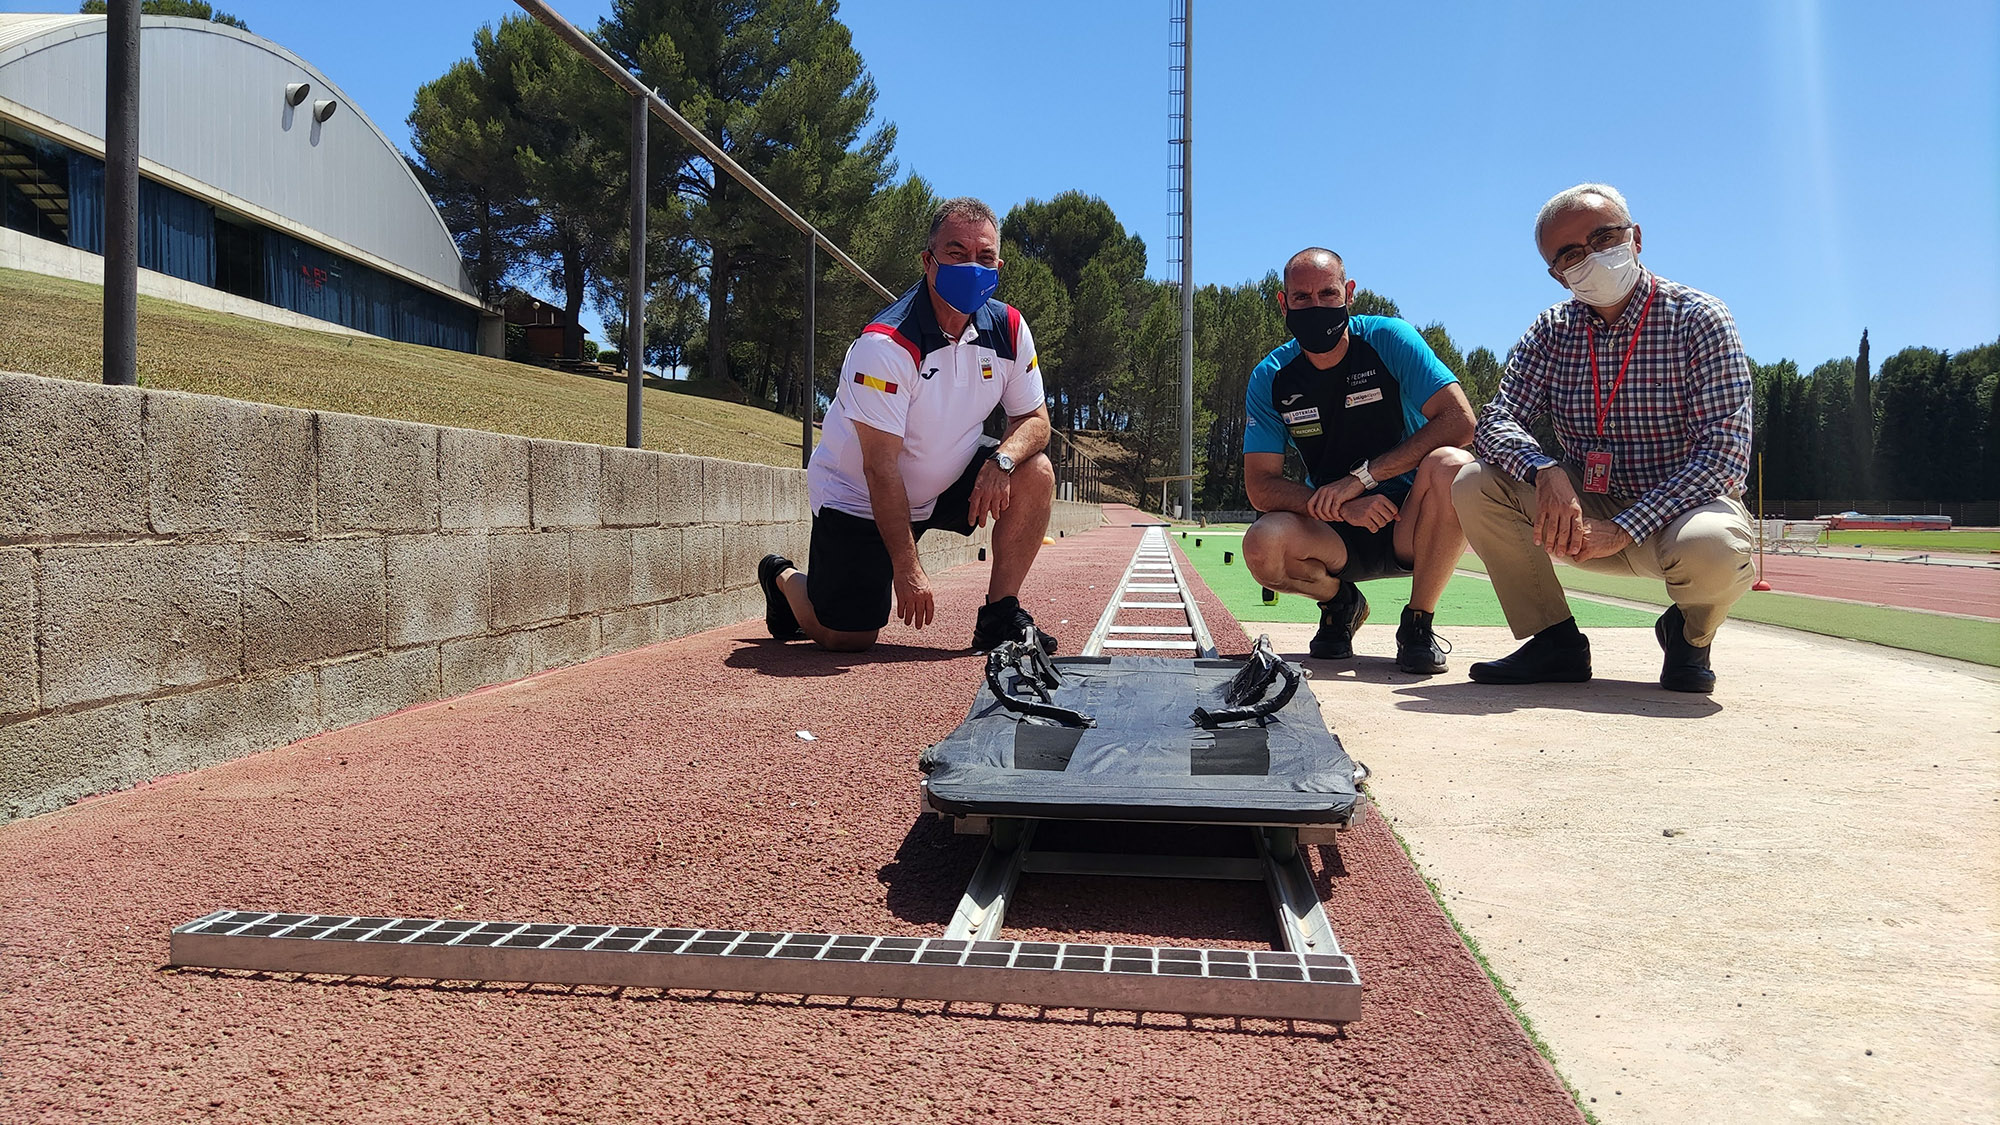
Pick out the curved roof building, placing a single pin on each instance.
(264, 189)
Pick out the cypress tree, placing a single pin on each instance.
(1862, 418)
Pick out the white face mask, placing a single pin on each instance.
(1604, 278)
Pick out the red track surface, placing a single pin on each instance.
(667, 786)
(1948, 589)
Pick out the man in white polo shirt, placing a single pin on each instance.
(903, 452)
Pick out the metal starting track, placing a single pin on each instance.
(1152, 581)
(1309, 979)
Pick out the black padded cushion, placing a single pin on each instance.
(1145, 759)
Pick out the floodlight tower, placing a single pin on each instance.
(1180, 115)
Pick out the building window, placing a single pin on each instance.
(34, 184)
(53, 192)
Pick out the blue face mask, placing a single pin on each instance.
(966, 286)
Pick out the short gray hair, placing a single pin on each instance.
(959, 207)
(1572, 199)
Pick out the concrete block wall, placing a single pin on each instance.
(187, 579)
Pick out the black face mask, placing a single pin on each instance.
(1318, 329)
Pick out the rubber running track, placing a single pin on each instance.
(668, 786)
(1944, 589)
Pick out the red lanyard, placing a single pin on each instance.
(1596, 386)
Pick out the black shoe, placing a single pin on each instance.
(1419, 651)
(1686, 667)
(1340, 617)
(778, 615)
(1548, 657)
(1003, 621)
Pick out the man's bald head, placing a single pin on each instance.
(1316, 258)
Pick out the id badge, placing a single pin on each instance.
(1597, 471)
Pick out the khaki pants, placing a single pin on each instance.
(1704, 555)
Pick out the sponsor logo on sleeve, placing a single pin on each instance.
(1362, 398)
(883, 385)
(1294, 417)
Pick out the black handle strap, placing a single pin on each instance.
(1263, 668)
(1031, 665)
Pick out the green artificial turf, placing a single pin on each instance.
(1958, 638)
(1466, 601)
(1948, 542)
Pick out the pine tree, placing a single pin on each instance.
(186, 9)
(779, 86)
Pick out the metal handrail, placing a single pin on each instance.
(588, 48)
(1074, 465)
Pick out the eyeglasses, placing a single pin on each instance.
(1601, 239)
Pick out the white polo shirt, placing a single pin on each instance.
(903, 376)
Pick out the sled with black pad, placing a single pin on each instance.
(1151, 740)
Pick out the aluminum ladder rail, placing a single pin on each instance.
(1153, 573)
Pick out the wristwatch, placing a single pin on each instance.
(1361, 474)
(1005, 462)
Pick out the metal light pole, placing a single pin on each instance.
(1187, 260)
(121, 193)
(806, 396)
(635, 290)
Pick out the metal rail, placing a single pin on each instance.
(588, 48)
(1153, 571)
(1302, 922)
(1269, 983)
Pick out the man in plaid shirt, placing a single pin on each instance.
(1646, 385)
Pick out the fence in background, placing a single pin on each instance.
(1966, 513)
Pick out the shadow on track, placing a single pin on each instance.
(1600, 696)
(930, 870)
(1151, 1022)
(803, 658)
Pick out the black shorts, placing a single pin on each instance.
(1372, 554)
(850, 577)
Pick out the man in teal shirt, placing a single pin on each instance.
(1378, 421)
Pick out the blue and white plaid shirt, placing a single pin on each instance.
(1678, 431)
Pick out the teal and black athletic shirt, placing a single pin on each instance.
(1362, 408)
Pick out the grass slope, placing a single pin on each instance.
(53, 327)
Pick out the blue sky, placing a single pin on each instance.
(1820, 166)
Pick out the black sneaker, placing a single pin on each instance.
(1686, 666)
(1340, 617)
(1554, 655)
(1419, 651)
(778, 615)
(1003, 621)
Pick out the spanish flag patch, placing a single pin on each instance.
(883, 385)
(1034, 361)
(986, 369)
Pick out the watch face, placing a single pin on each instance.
(1005, 462)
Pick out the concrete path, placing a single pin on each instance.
(1781, 903)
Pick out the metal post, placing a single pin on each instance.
(807, 399)
(635, 289)
(121, 194)
(1187, 262)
